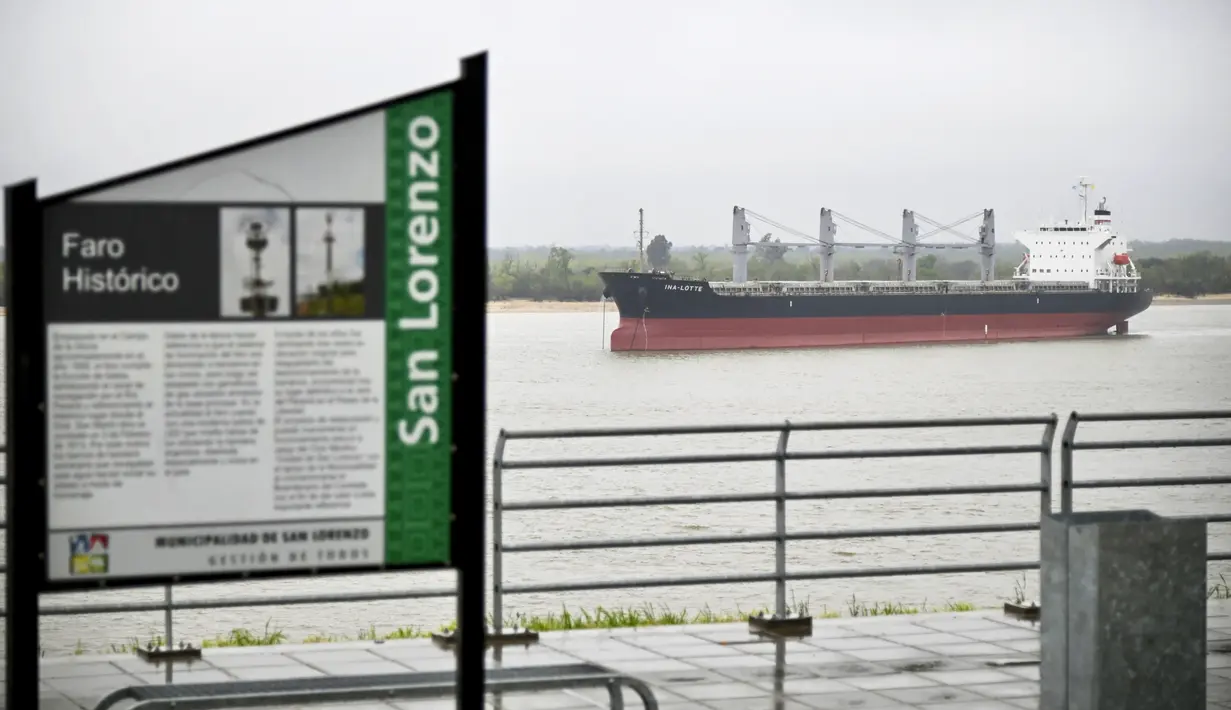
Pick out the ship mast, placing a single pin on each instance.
(640, 239)
(1083, 188)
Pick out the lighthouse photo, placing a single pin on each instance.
(255, 262)
(329, 269)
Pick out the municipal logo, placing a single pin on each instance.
(88, 554)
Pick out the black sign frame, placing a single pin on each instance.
(26, 390)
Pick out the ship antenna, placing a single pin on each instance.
(1083, 193)
(641, 239)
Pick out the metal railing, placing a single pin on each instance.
(780, 576)
(1069, 444)
(780, 537)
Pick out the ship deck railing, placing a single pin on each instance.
(853, 288)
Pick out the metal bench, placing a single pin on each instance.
(386, 686)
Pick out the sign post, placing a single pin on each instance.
(263, 361)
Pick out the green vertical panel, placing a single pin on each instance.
(419, 328)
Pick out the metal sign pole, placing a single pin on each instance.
(469, 415)
(24, 503)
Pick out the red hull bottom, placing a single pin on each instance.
(749, 333)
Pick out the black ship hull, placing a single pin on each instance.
(658, 312)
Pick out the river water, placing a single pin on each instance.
(547, 370)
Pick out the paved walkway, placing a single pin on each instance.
(934, 661)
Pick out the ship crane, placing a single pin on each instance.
(906, 246)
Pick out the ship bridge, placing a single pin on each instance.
(1088, 252)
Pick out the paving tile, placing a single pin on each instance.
(375, 667)
(851, 669)
(88, 690)
(818, 657)
(889, 682)
(250, 660)
(808, 686)
(137, 665)
(743, 705)
(1001, 691)
(663, 641)
(933, 665)
(275, 672)
(863, 700)
(179, 677)
(900, 653)
(960, 624)
(718, 691)
(518, 660)
(832, 631)
(766, 676)
(729, 635)
(56, 702)
(701, 650)
(897, 629)
(935, 694)
(971, 677)
(740, 661)
(966, 649)
(672, 678)
(410, 656)
(1218, 660)
(78, 670)
(636, 668)
(428, 665)
(323, 658)
(1007, 633)
(624, 652)
(930, 638)
(972, 705)
(769, 648)
(1027, 672)
(543, 700)
(368, 705)
(1027, 703)
(632, 701)
(853, 643)
(1023, 645)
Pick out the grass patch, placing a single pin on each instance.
(856, 608)
(1219, 589)
(602, 618)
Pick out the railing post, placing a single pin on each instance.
(1066, 464)
(780, 522)
(1045, 472)
(168, 630)
(497, 535)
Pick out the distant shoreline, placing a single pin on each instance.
(1207, 300)
(523, 305)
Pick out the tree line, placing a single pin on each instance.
(564, 275)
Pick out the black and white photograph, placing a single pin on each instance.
(255, 273)
(329, 261)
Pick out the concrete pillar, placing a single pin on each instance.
(1123, 618)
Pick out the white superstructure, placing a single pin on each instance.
(1086, 252)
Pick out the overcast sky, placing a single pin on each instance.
(685, 108)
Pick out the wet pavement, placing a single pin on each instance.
(965, 661)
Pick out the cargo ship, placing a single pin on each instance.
(1075, 280)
